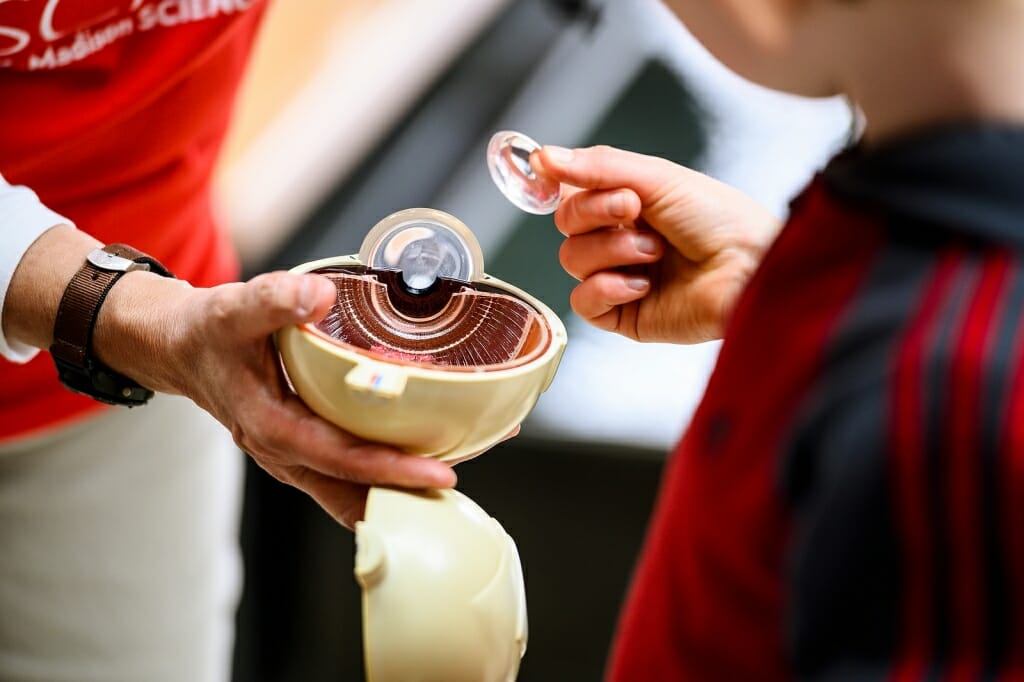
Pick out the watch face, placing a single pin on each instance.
(450, 325)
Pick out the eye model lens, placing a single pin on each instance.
(508, 160)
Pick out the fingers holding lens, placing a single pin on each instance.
(607, 249)
(584, 211)
(598, 296)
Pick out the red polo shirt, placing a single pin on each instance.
(113, 112)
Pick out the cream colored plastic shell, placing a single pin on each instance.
(424, 411)
(443, 593)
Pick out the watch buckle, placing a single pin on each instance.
(114, 263)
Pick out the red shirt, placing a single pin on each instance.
(113, 112)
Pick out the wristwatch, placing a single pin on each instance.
(77, 367)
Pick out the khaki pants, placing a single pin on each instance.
(118, 549)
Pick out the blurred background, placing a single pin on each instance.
(356, 109)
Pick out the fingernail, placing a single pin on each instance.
(307, 296)
(638, 283)
(559, 155)
(447, 479)
(617, 205)
(646, 244)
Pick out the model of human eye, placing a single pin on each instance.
(424, 351)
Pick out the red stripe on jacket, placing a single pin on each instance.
(909, 473)
(708, 596)
(1011, 489)
(966, 461)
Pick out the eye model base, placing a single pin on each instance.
(443, 386)
(424, 351)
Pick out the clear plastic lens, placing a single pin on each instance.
(423, 260)
(508, 159)
(423, 244)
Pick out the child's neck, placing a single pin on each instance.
(961, 60)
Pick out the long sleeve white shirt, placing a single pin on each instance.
(23, 218)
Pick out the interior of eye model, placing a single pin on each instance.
(449, 325)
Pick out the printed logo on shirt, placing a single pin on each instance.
(53, 34)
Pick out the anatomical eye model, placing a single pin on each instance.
(424, 351)
(415, 300)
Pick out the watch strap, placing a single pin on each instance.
(75, 322)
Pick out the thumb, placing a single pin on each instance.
(604, 167)
(273, 300)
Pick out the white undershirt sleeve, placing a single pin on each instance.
(22, 219)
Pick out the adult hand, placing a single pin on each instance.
(214, 346)
(662, 252)
(218, 351)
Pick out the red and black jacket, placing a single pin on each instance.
(848, 503)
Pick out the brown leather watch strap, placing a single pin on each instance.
(75, 322)
(80, 306)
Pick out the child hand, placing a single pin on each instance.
(662, 252)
